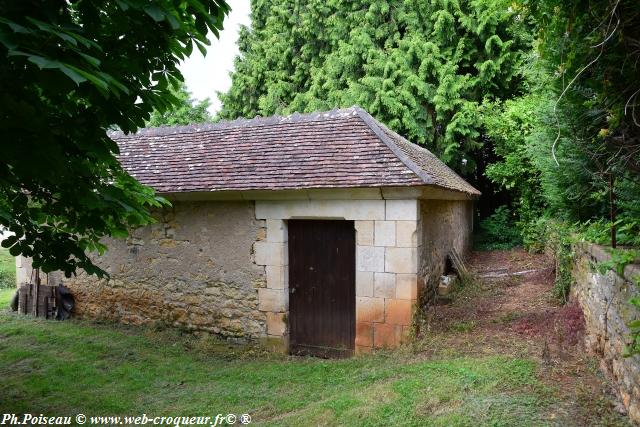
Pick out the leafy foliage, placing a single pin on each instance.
(620, 258)
(423, 68)
(599, 231)
(509, 125)
(559, 238)
(577, 124)
(593, 53)
(634, 326)
(499, 231)
(187, 110)
(78, 69)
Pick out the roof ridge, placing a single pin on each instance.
(375, 126)
(242, 122)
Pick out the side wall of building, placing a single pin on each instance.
(444, 225)
(192, 269)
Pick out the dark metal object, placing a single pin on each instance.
(64, 302)
(14, 302)
(322, 309)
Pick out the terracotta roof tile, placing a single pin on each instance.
(336, 149)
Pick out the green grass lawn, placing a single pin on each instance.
(7, 269)
(80, 367)
(5, 297)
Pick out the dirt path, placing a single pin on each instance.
(516, 315)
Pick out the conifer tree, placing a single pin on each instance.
(186, 111)
(421, 67)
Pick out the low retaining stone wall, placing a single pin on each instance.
(605, 302)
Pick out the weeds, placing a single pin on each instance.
(498, 231)
(463, 326)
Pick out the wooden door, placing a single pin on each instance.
(322, 302)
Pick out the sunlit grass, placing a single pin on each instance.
(80, 367)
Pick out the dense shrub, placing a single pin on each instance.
(499, 231)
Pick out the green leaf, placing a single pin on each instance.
(90, 59)
(44, 63)
(17, 28)
(97, 81)
(73, 74)
(201, 47)
(157, 13)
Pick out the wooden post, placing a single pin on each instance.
(612, 205)
(36, 287)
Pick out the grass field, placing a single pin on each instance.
(472, 368)
(5, 297)
(7, 269)
(78, 367)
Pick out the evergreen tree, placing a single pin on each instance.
(421, 67)
(185, 110)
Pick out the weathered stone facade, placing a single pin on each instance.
(192, 269)
(222, 266)
(444, 225)
(605, 303)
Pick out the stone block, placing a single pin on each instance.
(401, 210)
(276, 231)
(407, 286)
(364, 233)
(276, 324)
(269, 253)
(398, 311)
(278, 344)
(407, 335)
(344, 209)
(406, 234)
(400, 260)
(363, 350)
(275, 276)
(369, 309)
(386, 335)
(364, 334)
(385, 233)
(364, 283)
(274, 300)
(370, 258)
(384, 285)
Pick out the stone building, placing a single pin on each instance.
(318, 231)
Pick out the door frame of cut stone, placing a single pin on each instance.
(386, 264)
(322, 294)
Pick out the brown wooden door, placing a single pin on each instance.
(322, 296)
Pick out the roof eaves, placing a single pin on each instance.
(472, 190)
(373, 125)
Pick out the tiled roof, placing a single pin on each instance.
(336, 149)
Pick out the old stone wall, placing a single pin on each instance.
(604, 299)
(222, 266)
(444, 225)
(192, 269)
